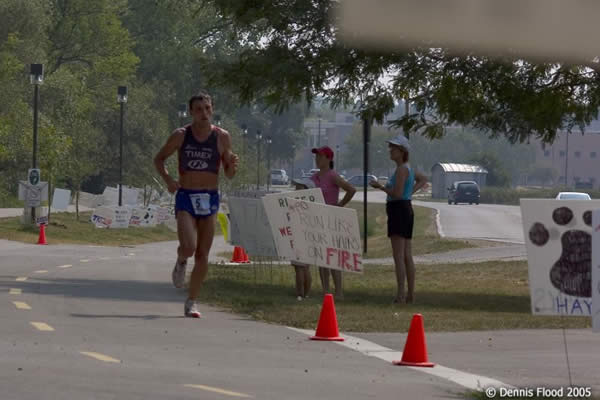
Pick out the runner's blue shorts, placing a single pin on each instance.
(198, 203)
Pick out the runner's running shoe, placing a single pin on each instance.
(178, 274)
(190, 309)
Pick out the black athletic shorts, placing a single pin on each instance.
(401, 218)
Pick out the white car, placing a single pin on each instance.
(573, 196)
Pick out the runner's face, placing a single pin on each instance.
(201, 111)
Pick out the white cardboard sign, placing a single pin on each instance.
(143, 217)
(102, 217)
(558, 239)
(326, 236)
(250, 225)
(90, 200)
(61, 199)
(276, 207)
(33, 194)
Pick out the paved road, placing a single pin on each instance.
(484, 221)
(118, 334)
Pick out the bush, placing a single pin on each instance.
(495, 195)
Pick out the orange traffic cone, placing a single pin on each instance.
(245, 256)
(42, 237)
(328, 326)
(415, 348)
(237, 255)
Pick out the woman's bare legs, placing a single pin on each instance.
(410, 270)
(398, 249)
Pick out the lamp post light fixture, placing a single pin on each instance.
(217, 119)
(121, 99)
(182, 112)
(36, 75)
(269, 141)
(258, 139)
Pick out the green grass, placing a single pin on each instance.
(425, 237)
(64, 228)
(453, 297)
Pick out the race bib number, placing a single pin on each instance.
(201, 203)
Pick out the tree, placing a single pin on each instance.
(497, 173)
(291, 53)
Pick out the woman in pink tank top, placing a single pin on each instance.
(331, 183)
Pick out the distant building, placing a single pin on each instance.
(444, 174)
(574, 158)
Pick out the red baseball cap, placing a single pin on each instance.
(325, 150)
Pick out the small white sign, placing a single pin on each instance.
(143, 217)
(102, 217)
(90, 200)
(33, 194)
(558, 239)
(121, 217)
(250, 225)
(33, 176)
(61, 199)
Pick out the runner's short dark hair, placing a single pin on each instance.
(199, 96)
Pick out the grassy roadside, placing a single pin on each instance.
(453, 297)
(64, 228)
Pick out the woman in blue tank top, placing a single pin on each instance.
(399, 189)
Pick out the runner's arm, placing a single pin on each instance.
(173, 143)
(230, 159)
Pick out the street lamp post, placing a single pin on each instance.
(37, 78)
(182, 113)
(269, 141)
(121, 99)
(293, 159)
(258, 139)
(319, 135)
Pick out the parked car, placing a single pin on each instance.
(279, 177)
(310, 173)
(573, 196)
(463, 192)
(359, 180)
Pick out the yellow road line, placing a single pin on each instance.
(21, 279)
(15, 291)
(41, 271)
(84, 260)
(217, 390)
(42, 326)
(65, 266)
(21, 305)
(100, 357)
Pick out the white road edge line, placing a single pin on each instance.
(438, 223)
(100, 357)
(65, 266)
(15, 291)
(218, 390)
(465, 379)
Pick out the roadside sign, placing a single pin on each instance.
(33, 176)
